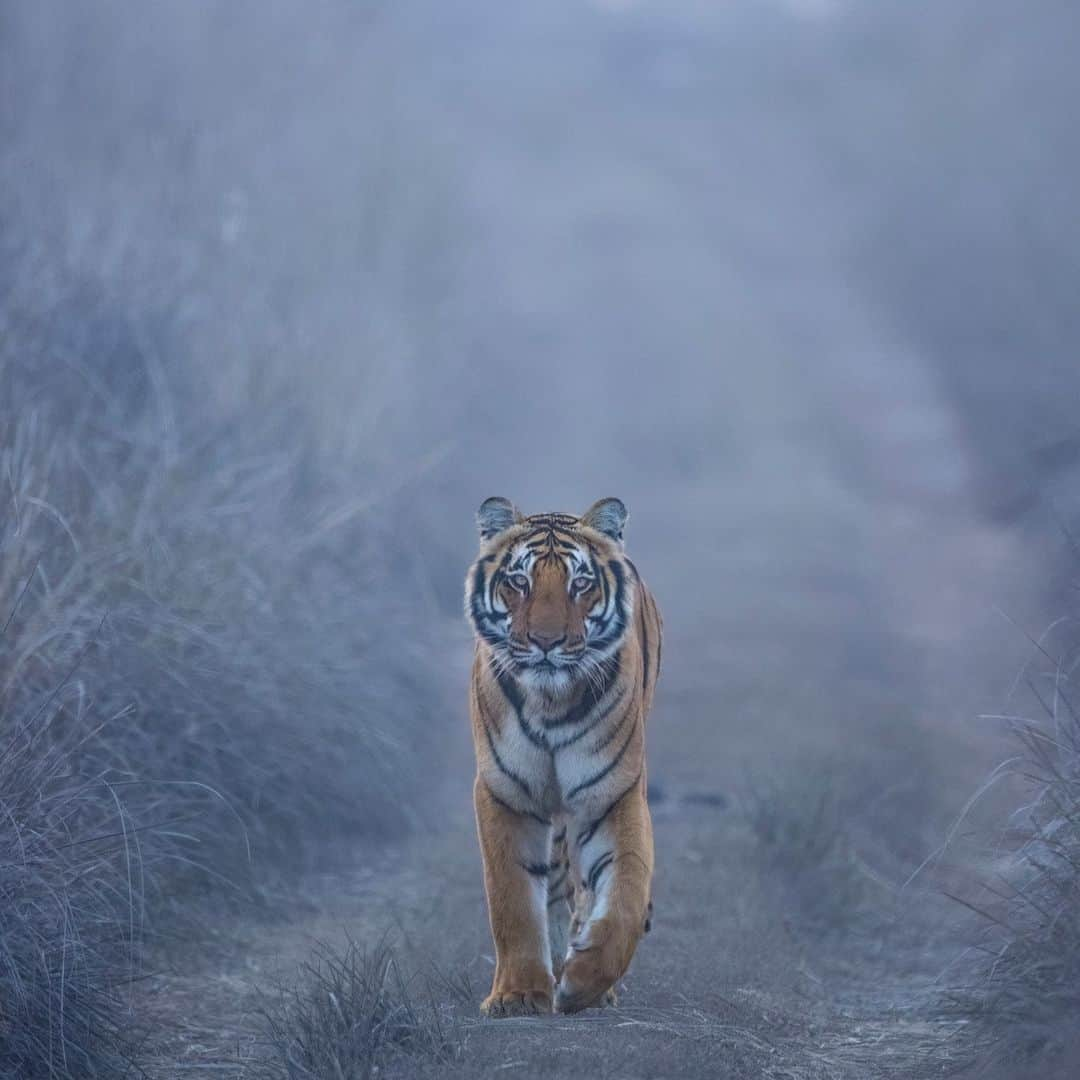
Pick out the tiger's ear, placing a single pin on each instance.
(495, 515)
(607, 516)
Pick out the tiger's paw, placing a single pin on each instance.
(595, 962)
(503, 1003)
(571, 999)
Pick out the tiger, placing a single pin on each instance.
(568, 647)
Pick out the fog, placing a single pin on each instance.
(796, 280)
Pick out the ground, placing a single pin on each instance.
(781, 947)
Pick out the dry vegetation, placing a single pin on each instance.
(1023, 993)
(194, 678)
(356, 1012)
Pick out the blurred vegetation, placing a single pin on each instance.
(202, 674)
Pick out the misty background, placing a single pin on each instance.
(796, 280)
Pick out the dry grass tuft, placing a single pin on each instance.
(71, 872)
(1023, 999)
(352, 1013)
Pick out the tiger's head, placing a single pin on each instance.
(551, 594)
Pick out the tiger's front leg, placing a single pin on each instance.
(516, 851)
(613, 865)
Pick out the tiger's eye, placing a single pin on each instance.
(518, 581)
(581, 584)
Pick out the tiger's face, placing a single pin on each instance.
(551, 594)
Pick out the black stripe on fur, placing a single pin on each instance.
(600, 774)
(589, 831)
(501, 765)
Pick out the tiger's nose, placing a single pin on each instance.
(547, 642)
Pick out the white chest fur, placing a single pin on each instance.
(551, 760)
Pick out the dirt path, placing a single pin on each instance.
(777, 951)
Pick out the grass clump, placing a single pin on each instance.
(71, 870)
(353, 1014)
(1024, 999)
